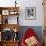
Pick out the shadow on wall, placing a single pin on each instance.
(37, 29)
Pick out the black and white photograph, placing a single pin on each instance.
(30, 13)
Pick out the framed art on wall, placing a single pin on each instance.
(30, 13)
(5, 12)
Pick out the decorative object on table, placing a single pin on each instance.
(15, 3)
(30, 13)
(13, 12)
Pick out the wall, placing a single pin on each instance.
(25, 3)
(39, 12)
(6, 3)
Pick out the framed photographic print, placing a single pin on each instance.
(5, 12)
(30, 13)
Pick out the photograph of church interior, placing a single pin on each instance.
(22, 22)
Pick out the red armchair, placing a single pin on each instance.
(28, 34)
